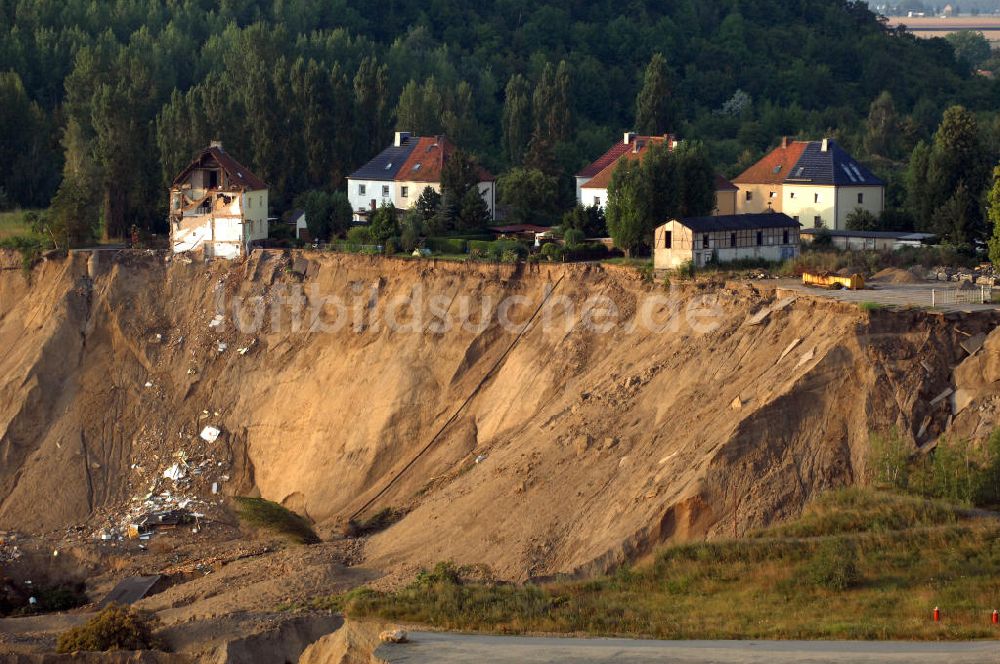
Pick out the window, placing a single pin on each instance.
(732, 239)
(749, 195)
(772, 194)
(861, 199)
(385, 190)
(791, 195)
(760, 238)
(784, 237)
(667, 239)
(404, 192)
(704, 241)
(817, 222)
(361, 190)
(815, 198)
(597, 201)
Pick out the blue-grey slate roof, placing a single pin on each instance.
(879, 235)
(832, 167)
(387, 163)
(739, 222)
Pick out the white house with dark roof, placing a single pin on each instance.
(373, 184)
(401, 172)
(770, 236)
(815, 182)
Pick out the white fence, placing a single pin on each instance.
(977, 295)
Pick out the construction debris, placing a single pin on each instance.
(210, 434)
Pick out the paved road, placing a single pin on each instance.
(946, 297)
(433, 648)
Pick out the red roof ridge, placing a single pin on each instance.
(773, 167)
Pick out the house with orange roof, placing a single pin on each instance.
(218, 207)
(400, 173)
(815, 182)
(593, 181)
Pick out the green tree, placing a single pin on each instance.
(627, 219)
(516, 119)
(665, 184)
(327, 215)
(653, 103)
(475, 212)
(993, 200)
(371, 96)
(588, 220)
(860, 219)
(428, 204)
(882, 128)
(73, 214)
(384, 224)
(457, 211)
(531, 195)
(971, 48)
(419, 108)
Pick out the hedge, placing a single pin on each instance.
(447, 245)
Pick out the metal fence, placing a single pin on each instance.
(976, 295)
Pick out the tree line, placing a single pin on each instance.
(101, 103)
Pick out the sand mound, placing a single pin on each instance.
(895, 275)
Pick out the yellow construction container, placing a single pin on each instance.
(830, 280)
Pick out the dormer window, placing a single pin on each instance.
(388, 166)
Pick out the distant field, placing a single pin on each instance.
(12, 223)
(928, 27)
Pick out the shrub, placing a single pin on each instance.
(360, 235)
(553, 251)
(834, 566)
(275, 518)
(114, 628)
(447, 245)
(573, 238)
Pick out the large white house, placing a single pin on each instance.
(217, 206)
(401, 172)
(814, 182)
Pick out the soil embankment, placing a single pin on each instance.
(567, 445)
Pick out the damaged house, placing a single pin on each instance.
(217, 206)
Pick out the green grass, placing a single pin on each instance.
(639, 263)
(276, 519)
(870, 306)
(13, 224)
(859, 564)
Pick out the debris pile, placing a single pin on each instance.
(983, 275)
(9, 549)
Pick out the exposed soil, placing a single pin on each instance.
(556, 449)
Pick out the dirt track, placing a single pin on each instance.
(436, 648)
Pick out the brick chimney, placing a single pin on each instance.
(784, 142)
(216, 144)
(402, 137)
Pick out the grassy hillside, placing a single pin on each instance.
(857, 565)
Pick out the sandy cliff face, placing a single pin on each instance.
(592, 445)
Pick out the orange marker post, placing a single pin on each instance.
(937, 614)
(996, 617)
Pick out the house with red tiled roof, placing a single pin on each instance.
(815, 182)
(217, 206)
(592, 182)
(400, 173)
